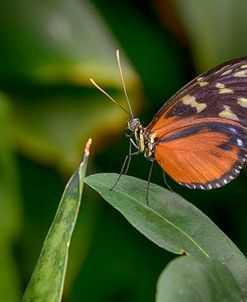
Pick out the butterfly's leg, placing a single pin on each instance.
(126, 164)
(149, 179)
(165, 181)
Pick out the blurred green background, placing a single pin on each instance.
(48, 108)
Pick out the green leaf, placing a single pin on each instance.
(10, 219)
(52, 129)
(212, 41)
(170, 221)
(47, 281)
(190, 279)
(10, 283)
(56, 42)
(10, 214)
(49, 51)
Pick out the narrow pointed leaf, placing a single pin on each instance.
(47, 281)
(190, 279)
(170, 221)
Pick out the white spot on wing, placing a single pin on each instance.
(226, 72)
(191, 101)
(242, 102)
(228, 114)
(241, 73)
(203, 83)
(233, 130)
(223, 89)
(240, 142)
(219, 85)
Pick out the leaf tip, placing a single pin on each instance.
(86, 151)
(88, 144)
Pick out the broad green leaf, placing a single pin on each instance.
(9, 191)
(10, 283)
(52, 129)
(191, 279)
(10, 213)
(47, 281)
(215, 29)
(49, 51)
(170, 221)
(56, 42)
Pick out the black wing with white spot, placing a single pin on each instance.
(220, 92)
(200, 134)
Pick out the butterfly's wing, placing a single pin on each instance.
(210, 94)
(200, 133)
(206, 155)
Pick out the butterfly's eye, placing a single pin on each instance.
(128, 133)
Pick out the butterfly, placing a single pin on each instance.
(199, 136)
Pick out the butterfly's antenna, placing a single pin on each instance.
(111, 98)
(122, 79)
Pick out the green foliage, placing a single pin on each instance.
(55, 105)
(208, 36)
(48, 108)
(47, 281)
(214, 271)
(192, 279)
(10, 214)
(171, 222)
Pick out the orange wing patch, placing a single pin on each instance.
(165, 127)
(200, 160)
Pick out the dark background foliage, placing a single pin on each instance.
(48, 108)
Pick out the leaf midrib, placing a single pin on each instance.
(168, 221)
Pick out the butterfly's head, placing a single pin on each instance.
(134, 124)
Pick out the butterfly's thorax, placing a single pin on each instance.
(150, 140)
(144, 140)
(135, 127)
